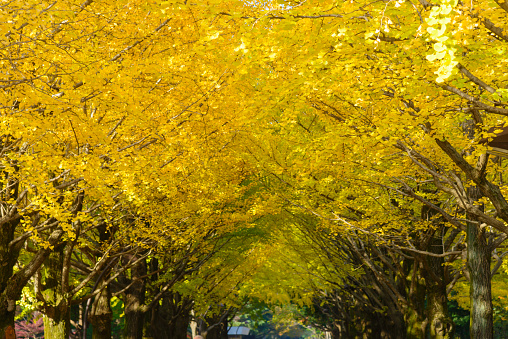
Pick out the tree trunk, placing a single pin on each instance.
(102, 314)
(57, 321)
(134, 301)
(392, 326)
(7, 327)
(193, 324)
(339, 332)
(178, 327)
(173, 317)
(8, 259)
(219, 326)
(56, 327)
(415, 312)
(441, 324)
(478, 264)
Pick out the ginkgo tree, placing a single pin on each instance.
(400, 83)
(362, 111)
(106, 104)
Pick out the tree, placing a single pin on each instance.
(75, 137)
(366, 67)
(146, 115)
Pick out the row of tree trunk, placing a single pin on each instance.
(403, 294)
(168, 319)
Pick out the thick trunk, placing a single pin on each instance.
(178, 327)
(102, 315)
(339, 332)
(134, 301)
(171, 319)
(224, 328)
(392, 327)
(133, 316)
(415, 319)
(441, 324)
(7, 327)
(57, 321)
(8, 258)
(381, 326)
(219, 329)
(57, 327)
(478, 264)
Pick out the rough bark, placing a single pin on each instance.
(441, 324)
(134, 300)
(8, 259)
(415, 312)
(171, 319)
(56, 309)
(478, 263)
(57, 327)
(178, 327)
(102, 314)
(379, 326)
(7, 327)
(218, 326)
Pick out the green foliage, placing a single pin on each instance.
(272, 322)
(460, 318)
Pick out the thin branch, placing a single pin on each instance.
(475, 79)
(480, 105)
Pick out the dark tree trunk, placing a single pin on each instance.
(160, 316)
(478, 264)
(339, 332)
(415, 312)
(441, 324)
(218, 326)
(102, 314)
(171, 319)
(380, 326)
(8, 259)
(224, 328)
(7, 326)
(178, 327)
(392, 327)
(134, 300)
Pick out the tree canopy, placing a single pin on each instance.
(187, 156)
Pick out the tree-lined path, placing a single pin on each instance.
(176, 163)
